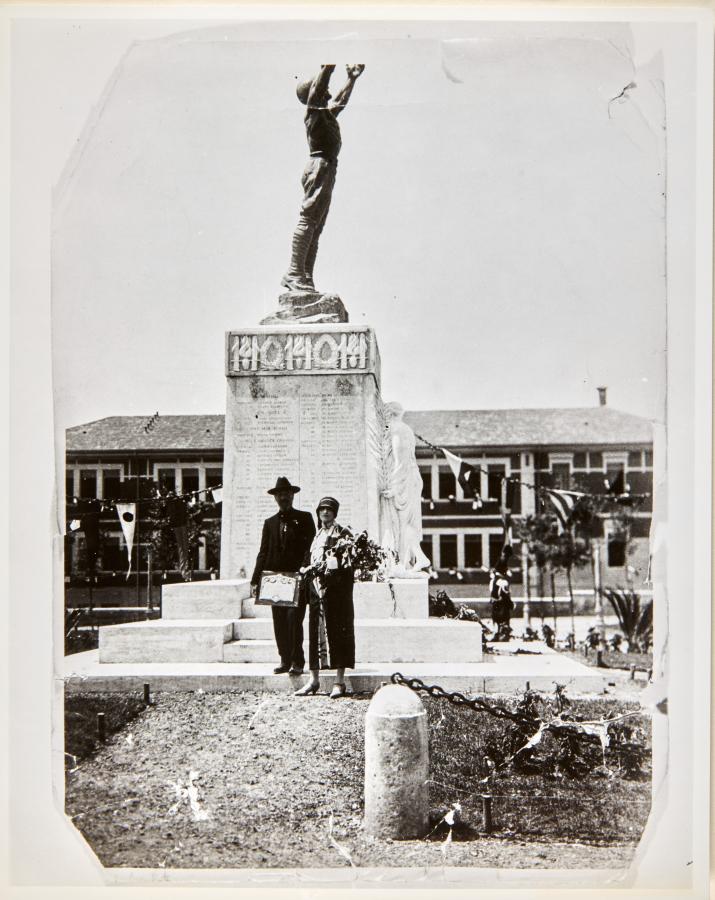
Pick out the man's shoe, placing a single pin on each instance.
(294, 670)
(281, 670)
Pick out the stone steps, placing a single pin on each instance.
(162, 640)
(205, 599)
(376, 640)
(231, 599)
(217, 621)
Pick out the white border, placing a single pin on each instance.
(37, 826)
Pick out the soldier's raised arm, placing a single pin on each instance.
(354, 71)
(316, 95)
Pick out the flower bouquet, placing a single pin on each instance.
(368, 560)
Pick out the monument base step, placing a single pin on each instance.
(494, 675)
(394, 640)
(402, 598)
(162, 640)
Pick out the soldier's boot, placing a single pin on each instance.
(296, 279)
(310, 258)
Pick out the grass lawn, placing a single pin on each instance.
(613, 660)
(278, 782)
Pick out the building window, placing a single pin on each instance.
(114, 555)
(426, 483)
(561, 473)
(579, 460)
(111, 485)
(649, 458)
(166, 479)
(88, 484)
(69, 486)
(426, 544)
(447, 485)
(213, 555)
(615, 475)
(214, 477)
(472, 551)
(189, 480)
(448, 551)
(616, 552)
(496, 542)
(595, 460)
(635, 459)
(494, 482)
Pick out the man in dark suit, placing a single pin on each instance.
(285, 540)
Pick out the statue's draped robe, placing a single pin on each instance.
(405, 483)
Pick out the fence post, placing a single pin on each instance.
(487, 813)
(101, 727)
(396, 764)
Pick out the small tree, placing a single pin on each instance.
(539, 532)
(569, 553)
(200, 532)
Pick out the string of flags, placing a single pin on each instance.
(216, 494)
(88, 521)
(562, 502)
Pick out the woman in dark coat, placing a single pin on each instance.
(330, 581)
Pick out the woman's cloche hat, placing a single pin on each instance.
(328, 503)
(282, 484)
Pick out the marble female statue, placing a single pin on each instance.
(402, 495)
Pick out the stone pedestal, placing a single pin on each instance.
(301, 402)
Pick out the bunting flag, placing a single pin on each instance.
(506, 523)
(467, 476)
(75, 525)
(618, 485)
(127, 513)
(563, 503)
(216, 494)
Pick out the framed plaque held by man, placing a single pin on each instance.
(279, 589)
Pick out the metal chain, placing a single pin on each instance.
(500, 712)
(434, 690)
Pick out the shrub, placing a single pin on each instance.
(634, 617)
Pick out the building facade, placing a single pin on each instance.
(123, 457)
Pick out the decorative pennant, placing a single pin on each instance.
(75, 525)
(127, 513)
(217, 494)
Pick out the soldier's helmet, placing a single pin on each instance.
(303, 90)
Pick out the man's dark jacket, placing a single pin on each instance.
(287, 555)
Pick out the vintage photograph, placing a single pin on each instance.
(359, 358)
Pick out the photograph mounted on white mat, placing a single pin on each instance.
(408, 603)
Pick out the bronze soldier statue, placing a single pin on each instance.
(323, 133)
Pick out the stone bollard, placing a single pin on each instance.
(396, 765)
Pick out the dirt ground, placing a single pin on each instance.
(269, 780)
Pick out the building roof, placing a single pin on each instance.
(117, 433)
(588, 427)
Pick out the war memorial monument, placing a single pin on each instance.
(303, 400)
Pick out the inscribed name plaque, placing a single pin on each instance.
(279, 589)
(288, 349)
(299, 403)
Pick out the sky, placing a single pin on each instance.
(498, 217)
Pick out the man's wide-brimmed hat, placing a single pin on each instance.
(282, 484)
(328, 503)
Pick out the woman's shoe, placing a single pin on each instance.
(338, 690)
(306, 690)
